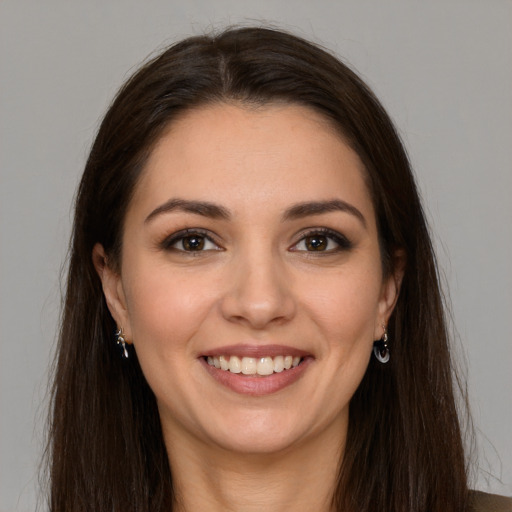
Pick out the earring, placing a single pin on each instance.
(121, 341)
(381, 349)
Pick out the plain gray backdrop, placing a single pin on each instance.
(442, 68)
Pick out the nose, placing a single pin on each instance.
(259, 294)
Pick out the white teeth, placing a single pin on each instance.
(248, 365)
(278, 364)
(254, 366)
(224, 363)
(235, 365)
(265, 366)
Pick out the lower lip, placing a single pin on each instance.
(258, 386)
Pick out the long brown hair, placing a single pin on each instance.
(404, 450)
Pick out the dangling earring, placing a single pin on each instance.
(381, 349)
(121, 341)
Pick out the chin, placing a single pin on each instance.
(257, 442)
(267, 432)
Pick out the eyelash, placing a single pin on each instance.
(342, 242)
(168, 243)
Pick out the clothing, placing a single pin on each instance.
(483, 502)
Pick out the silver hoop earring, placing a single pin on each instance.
(381, 348)
(122, 342)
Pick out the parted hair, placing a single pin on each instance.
(404, 449)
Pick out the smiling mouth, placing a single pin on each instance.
(254, 366)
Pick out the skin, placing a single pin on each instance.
(256, 282)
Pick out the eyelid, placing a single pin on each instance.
(168, 242)
(340, 239)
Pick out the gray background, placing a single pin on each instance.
(442, 68)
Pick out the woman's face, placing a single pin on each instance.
(251, 244)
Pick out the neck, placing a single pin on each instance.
(211, 479)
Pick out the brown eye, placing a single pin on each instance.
(193, 243)
(316, 243)
(322, 241)
(190, 241)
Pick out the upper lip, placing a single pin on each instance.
(256, 351)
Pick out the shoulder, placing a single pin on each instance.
(483, 502)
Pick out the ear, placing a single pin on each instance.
(389, 292)
(113, 290)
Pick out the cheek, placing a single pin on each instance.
(165, 309)
(165, 315)
(345, 307)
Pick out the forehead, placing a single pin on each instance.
(239, 155)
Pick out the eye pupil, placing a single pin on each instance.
(316, 243)
(193, 243)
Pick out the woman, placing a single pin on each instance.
(253, 318)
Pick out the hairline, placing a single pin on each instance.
(249, 104)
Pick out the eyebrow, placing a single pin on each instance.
(202, 208)
(300, 210)
(296, 211)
